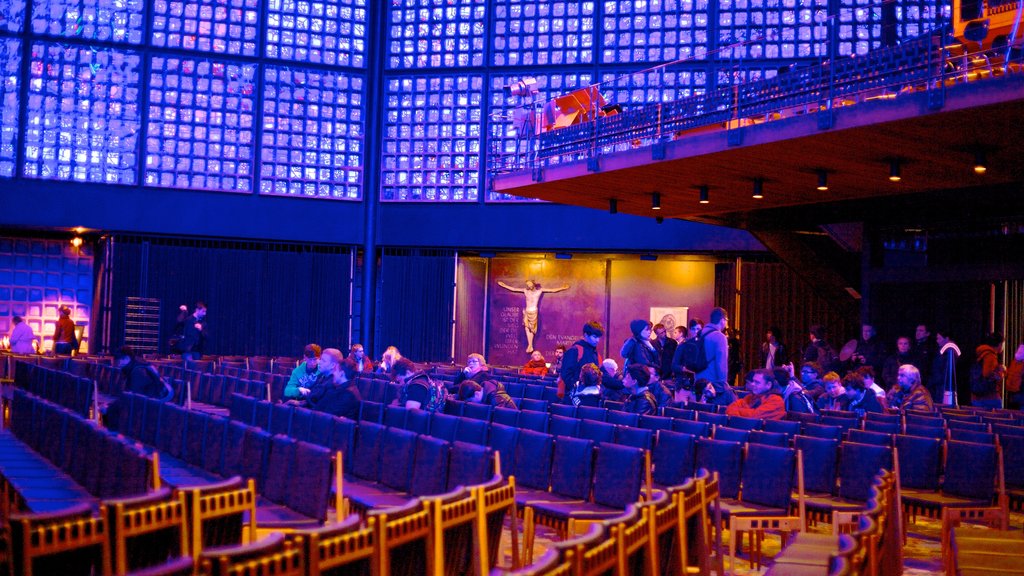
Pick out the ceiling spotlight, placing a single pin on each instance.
(980, 165)
(613, 206)
(655, 200)
(894, 171)
(822, 180)
(758, 189)
(76, 241)
(704, 195)
(523, 88)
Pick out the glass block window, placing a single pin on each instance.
(12, 15)
(527, 32)
(10, 67)
(433, 34)
(432, 139)
(728, 76)
(221, 26)
(646, 87)
(83, 116)
(101, 20)
(200, 132)
(654, 31)
(773, 29)
(860, 22)
(319, 31)
(312, 134)
(510, 120)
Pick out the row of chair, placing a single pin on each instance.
(198, 448)
(668, 534)
(873, 547)
(158, 532)
(53, 458)
(73, 392)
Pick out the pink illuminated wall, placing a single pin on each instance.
(36, 277)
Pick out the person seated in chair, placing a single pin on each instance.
(640, 401)
(357, 354)
(588, 389)
(910, 394)
(611, 382)
(834, 397)
(537, 366)
(388, 360)
(764, 401)
(861, 398)
(140, 378)
(335, 390)
(476, 371)
(489, 392)
(304, 375)
(418, 390)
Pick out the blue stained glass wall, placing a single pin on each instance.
(431, 142)
(102, 20)
(270, 96)
(83, 114)
(433, 34)
(201, 129)
(528, 33)
(665, 31)
(10, 65)
(312, 139)
(321, 32)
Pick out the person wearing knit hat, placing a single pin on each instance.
(638, 349)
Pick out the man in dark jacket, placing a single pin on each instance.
(194, 336)
(335, 390)
(666, 348)
(640, 401)
(584, 351)
(141, 377)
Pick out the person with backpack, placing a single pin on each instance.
(987, 373)
(140, 378)
(638, 349)
(714, 365)
(418, 391)
(583, 352)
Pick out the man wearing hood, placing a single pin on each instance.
(584, 351)
(987, 393)
(488, 392)
(638, 349)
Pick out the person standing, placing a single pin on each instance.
(22, 337)
(716, 350)
(773, 351)
(583, 352)
(666, 348)
(638, 349)
(988, 375)
(64, 341)
(193, 339)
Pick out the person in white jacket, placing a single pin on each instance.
(22, 337)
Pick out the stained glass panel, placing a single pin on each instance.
(312, 134)
(321, 32)
(432, 34)
(200, 132)
(10, 61)
(528, 33)
(636, 31)
(221, 26)
(432, 138)
(83, 114)
(99, 20)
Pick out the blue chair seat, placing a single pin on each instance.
(270, 515)
(737, 508)
(564, 509)
(49, 506)
(375, 496)
(525, 495)
(830, 503)
(21, 483)
(932, 499)
(66, 492)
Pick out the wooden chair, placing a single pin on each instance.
(347, 546)
(215, 513)
(498, 498)
(272, 555)
(407, 528)
(65, 542)
(147, 530)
